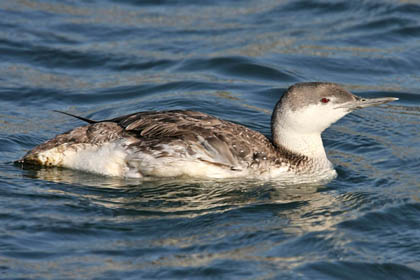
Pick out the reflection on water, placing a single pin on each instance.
(197, 218)
(189, 198)
(231, 59)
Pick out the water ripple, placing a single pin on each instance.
(233, 60)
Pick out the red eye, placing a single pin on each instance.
(325, 100)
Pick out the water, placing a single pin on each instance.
(232, 59)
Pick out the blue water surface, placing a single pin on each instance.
(232, 59)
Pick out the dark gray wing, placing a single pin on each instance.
(228, 143)
(168, 123)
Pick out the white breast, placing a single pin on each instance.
(115, 159)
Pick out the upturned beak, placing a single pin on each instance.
(361, 102)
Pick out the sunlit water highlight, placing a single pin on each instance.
(231, 59)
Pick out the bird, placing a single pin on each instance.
(184, 143)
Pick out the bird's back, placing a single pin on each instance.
(188, 136)
(167, 143)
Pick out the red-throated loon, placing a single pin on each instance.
(194, 144)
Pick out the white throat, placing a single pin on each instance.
(308, 144)
(300, 132)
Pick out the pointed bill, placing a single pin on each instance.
(360, 102)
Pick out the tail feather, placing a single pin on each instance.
(77, 117)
